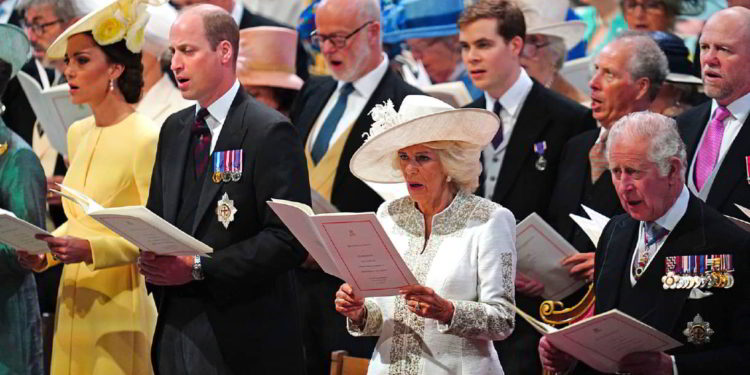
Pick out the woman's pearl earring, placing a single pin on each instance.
(111, 85)
(448, 179)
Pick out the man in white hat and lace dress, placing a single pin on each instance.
(521, 162)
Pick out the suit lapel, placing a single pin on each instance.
(173, 167)
(619, 249)
(231, 138)
(315, 105)
(531, 121)
(733, 169)
(691, 133)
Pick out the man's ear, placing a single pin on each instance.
(644, 85)
(226, 51)
(516, 45)
(675, 168)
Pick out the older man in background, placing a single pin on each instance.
(623, 83)
(637, 252)
(331, 114)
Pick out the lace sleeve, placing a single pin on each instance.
(373, 321)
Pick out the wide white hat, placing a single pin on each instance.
(110, 23)
(157, 28)
(420, 119)
(548, 18)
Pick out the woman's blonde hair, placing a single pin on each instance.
(460, 161)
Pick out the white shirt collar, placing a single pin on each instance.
(237, 11)
(739, 108)
(367, 84)
(220, 108)
(675, 213)
(513, 99)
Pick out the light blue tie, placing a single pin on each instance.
(329, 125)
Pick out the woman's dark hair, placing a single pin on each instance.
(130, 82)
(5, 69)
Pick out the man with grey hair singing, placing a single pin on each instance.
(623, 82)
(668, 233)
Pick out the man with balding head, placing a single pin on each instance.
(717, 133)
(245, 19)
(331, 114)
(235, 312)
(623, 82)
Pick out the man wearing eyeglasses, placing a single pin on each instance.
(331, 113)
(42, 21)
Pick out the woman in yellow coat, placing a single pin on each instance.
(105, 318)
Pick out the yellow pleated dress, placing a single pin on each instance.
(105, 319)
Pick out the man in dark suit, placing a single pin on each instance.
(244, 19)
(331, 114)
(521, 163)
(717, 133)
(664, 221)
(622, 83)
(237, 310)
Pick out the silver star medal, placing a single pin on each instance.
(698, 332)
(225, 210)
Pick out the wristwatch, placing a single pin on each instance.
(197, 269)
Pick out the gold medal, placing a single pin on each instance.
(216, 178)
(3, 147)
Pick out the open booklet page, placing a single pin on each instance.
(351, 246)
(20, 235)
(140, 226)
(601, 341)
(593, 226)
(540, 251)
(53, 109)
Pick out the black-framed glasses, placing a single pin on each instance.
(338, 40)
(653, 6)
(40, 28)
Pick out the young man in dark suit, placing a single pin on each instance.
(717, 133)
(521, 163)
(235, 312)
(331, 114)
(637, 251)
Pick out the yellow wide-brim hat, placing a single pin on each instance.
(110, 23)
(420, 119)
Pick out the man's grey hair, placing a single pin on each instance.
(370, 10)
(664, 141)
(65, 10)
(646, 60)
(460, 161)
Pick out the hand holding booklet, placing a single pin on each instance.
(541, 251)
(21, 235)
(601, 341)
(139, 225)
(351, 246)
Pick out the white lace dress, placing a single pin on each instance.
(469, 259)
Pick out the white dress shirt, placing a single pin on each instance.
(7, 8)
(512, 102)
(355, 104)
(732, 125)
(217, 112)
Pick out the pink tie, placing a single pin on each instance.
(709, 150)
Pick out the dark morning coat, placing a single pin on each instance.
(702, 230)
(248, 291)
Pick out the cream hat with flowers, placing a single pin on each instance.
(109, 24)
(420, 119)
(548, 18)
